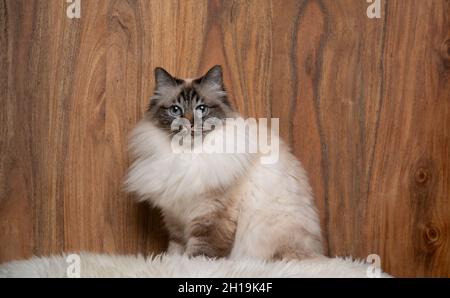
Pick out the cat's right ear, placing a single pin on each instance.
(163, 79)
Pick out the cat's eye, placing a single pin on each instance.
(175, 111)
(203, 109)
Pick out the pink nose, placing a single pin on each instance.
(190, 117)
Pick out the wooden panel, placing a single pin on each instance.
(364, 103)
(64, 157)
(408, 199)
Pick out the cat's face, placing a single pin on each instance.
(186, 104)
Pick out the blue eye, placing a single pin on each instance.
(203, 109)
(175, 111)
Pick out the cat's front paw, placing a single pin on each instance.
(175, 248)
(196, 247)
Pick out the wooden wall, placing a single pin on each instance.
(365, 104)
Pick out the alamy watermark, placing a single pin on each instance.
(74, 266)
(227, 136)
(74, 9)
(374, 9)
(374, 269)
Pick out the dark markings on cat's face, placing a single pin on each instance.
(189, 101)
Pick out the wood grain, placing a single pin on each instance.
(364, 103)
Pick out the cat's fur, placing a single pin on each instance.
(220, 204)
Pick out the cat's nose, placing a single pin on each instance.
(190, 117)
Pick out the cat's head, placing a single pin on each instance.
(188, 103)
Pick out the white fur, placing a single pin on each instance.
(174, 181)
(93, 265)
(275, 201)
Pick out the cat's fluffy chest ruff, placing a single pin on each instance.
(179, 181)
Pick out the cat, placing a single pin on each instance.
(218, 204)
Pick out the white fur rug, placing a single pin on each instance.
(94, 265)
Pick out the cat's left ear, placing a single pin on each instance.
(213, 78)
